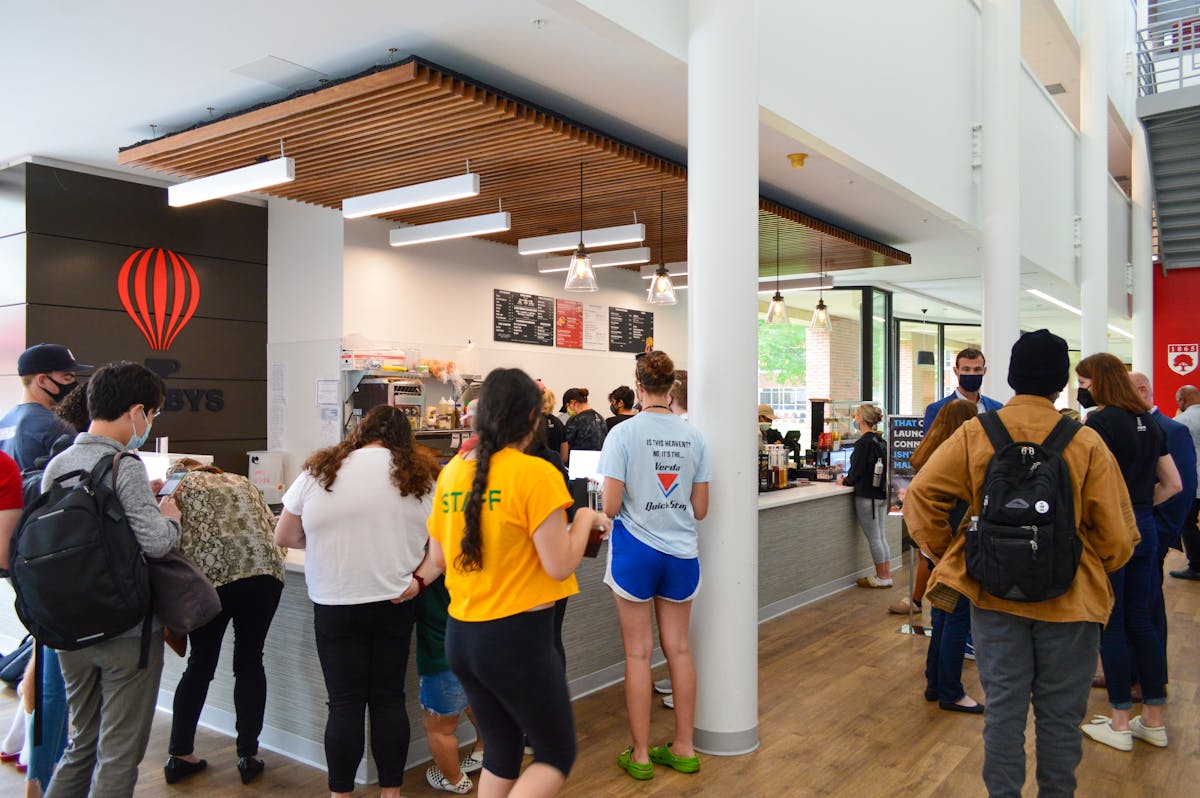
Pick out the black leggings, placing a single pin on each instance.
(363, 650)
(515, 682)
(250, 604)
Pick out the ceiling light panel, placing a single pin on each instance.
(600, 237)
(613, 257)
(414, 196)
(452, 228)
(236, 181)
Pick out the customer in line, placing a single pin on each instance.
(679, 394)
(111, 699)
(948, 643)
(620, 402)
(867, 475)
(359, 510)
(970, 367)
(228, 531)
(499, 531)
(585, 427)
(1130, 639)
(1188, 399)
(1044, 651)
(656, 476)
(556, 431)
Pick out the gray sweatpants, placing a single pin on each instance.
(871, 517)
(112, 706)
(1053, 663)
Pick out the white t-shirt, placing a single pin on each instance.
(363, 540)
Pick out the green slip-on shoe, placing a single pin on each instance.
(662, 755)
(642, 771)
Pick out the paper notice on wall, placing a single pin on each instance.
(331, 425)
(276, 405)
(327, 392)
(595, 327)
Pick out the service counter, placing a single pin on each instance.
(809, 547)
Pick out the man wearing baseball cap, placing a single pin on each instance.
(28, 431)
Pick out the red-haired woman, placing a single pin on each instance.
(359, 510)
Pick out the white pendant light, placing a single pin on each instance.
(820, 317)
(451, 228)
(580, 276)
(777, 312)
(414, 196)
(236, 181)
(662, 290)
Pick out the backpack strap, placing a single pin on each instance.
(996, 431)
(1061, 435)
(37, 693)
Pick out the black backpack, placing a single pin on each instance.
(77, 569)
(876, 452)
(1024, 545)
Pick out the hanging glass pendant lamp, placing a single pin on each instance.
(662, 290)
(820, 317)
(581, 278)
(777, 312)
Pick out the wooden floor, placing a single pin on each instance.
(841, 714)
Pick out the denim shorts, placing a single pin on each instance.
(638, 572)
(442, 695)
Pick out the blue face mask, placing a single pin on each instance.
(138, 441)
(970, 382)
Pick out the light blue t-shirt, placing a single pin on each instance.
(658, 456)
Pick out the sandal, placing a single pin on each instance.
(642, 771)
(662, 755)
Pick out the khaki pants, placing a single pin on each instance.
(111, 701)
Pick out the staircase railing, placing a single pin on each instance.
(1169, 47)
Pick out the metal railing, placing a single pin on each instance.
(1169, 47)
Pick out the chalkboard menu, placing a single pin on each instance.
(628, 330)
(523, 318)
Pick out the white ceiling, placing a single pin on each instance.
(90, 80)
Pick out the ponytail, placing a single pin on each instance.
(471, 556)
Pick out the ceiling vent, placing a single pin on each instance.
(278, 72)
(1055, 88)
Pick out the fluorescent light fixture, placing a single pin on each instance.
(1119, 331)
(451, 228)
(813, 283)
(613, 257)
(600, 237)
(1044, 296)
(674, 269)
(235, 181)
(414, 196)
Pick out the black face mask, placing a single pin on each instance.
(971, 383)
(1084, 397)
(613, 408)
(64, 388)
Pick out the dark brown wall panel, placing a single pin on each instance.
(68, 271)
(229, 455)
(12, 200)
(77, 205)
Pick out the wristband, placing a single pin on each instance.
(420, 584)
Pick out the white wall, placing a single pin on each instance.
(1122, 68)
(304, 315)
(438, 297)
(1118, 250)
(1048, 175)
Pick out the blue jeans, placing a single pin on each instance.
(944, 658)
(44, 757)
(1130, 636)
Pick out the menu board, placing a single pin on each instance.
(595, 327)
(523, 318)
(568, 324)
(629, 330)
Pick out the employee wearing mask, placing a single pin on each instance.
(766, 430)
(969, 367)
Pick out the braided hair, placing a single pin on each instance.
(509, 406)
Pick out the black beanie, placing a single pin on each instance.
(1039, 364)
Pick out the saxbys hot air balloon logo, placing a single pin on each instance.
(159, 290)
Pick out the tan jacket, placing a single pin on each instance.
(1102, 511)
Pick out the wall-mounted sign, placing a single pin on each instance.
(160, 291)
(523, 318)
(629, 330)
(568, 324)
(595, 327)
(904, 436)
(1182, 358)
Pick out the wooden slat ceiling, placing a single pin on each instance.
(415, 121)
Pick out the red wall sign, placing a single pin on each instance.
(1176, 334)
(568, 324)
(160, 292)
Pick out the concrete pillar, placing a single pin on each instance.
(1093, 177)
(723, 362)
(1001, 268)
(1140, 227)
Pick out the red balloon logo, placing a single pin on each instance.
(159, 291)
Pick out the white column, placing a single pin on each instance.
(1141, 249)
(1001, 189)
(1093, 177)
(722, 362)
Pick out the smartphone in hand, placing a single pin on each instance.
(171, 484)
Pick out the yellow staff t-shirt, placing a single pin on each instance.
(522, 492)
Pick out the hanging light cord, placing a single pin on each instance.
(662, 252)
(581, 204)
(777, 259)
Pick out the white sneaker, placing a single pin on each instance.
(1155, 735)
(663, 686)
(471, 762)
(669, 701)
(438, 781)
(1100, 729)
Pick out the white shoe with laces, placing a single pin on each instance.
(1155, 735)
(438, 781)
(1100, 729)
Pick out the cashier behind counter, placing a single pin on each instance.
(768, 433)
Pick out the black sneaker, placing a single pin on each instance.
(1187, 573)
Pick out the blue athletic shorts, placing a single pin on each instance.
(441, 694)
(638, 572)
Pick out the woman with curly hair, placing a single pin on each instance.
(359, 510)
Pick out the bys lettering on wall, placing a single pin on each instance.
(191, 399)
